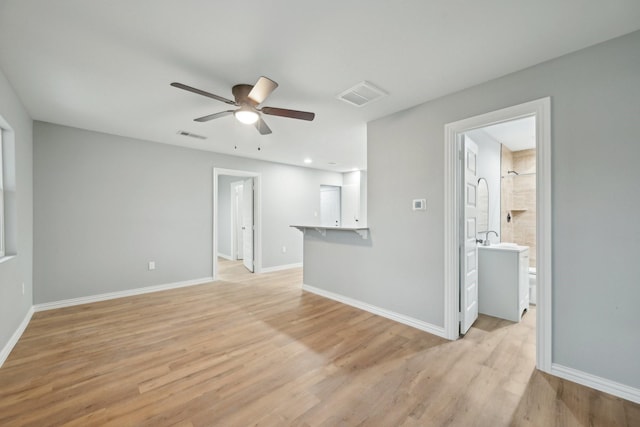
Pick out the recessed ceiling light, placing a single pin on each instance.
(332, 163)
(307, 160)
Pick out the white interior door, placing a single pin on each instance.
(468, 245)
(247, 224)
(236, 219)
(350, 205)
(330, 206)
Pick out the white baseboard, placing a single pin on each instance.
(225, 256)
(120, 294)
(280, 267)
(400, 318)
(15, 337)
(595, 382)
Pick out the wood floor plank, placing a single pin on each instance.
(257, 350)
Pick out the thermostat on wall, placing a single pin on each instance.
(419, 204)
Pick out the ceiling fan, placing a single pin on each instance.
(248, 97)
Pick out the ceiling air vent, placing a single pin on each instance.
(362, 94)
(191, 135)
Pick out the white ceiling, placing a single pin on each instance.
(106, 65)
(516, 135)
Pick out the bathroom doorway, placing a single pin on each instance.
(244, 246)
(455, 132)
(513, 212)
(505, 237)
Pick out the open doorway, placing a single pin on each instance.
(236, 222)
(461, 191)
(498, 229)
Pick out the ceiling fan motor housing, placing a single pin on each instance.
(241, 94)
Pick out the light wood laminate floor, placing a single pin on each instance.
(257, 350)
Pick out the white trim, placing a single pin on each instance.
(544, 279)
(400, 318)
(6, 258)
(595, 382)
(257, 216)
(281, 267)
(225, 256)
(2, 222)
(541, 109)
(6, 350)
(120, 294)
(451, 236)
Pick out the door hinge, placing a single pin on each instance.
(459, 316)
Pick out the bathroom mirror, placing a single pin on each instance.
(483, 206)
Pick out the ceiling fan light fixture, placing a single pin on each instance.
(246, 115)
(247, 98)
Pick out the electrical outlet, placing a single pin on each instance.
(284, 249)
(22, 288)
(152, 265)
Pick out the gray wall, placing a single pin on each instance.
(106, 205)
(595, 95)
(489, 160)
(16, 271)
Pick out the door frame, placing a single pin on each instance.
(541, 110)
(257, 216)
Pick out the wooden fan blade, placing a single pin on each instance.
(203, 93)
(262, 127)
(293, 114)
(262, 89)
(213, 116)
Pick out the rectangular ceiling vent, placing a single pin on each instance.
(362, 94)
(191, 135)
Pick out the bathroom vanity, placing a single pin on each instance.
(503, 281)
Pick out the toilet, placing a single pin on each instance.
(532, 285)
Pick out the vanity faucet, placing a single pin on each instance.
(486, 237)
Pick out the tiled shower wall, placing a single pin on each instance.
(518, 196)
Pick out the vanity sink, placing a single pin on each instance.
(506, 245)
